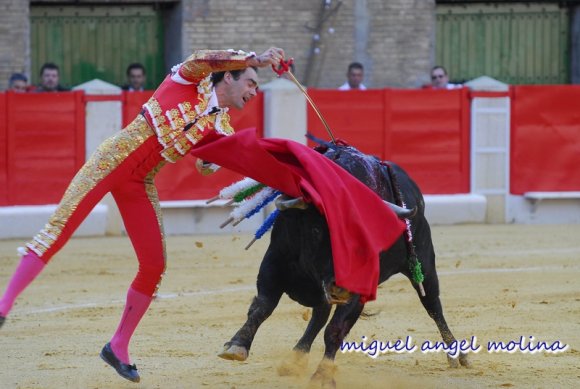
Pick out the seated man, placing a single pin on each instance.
(136, 78)
(18, 83)
(50, 79)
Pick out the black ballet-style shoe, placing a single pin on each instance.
(2, 320)
(128, 372)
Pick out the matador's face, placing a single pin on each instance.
(242, 90)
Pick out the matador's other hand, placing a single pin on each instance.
(206, 168)
(272, 56)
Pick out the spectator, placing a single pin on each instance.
(50, 79)
(136, 77)
(18, 83)
(440, 79)
(354, 76)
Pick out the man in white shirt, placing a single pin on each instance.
(354, 76)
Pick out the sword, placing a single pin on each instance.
(284, 67)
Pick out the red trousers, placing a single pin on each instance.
(125, 166)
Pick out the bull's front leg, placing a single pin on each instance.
(296, 364)
(340, 325)
(238, 347)
(319, 318)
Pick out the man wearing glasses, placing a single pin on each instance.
(440, 79)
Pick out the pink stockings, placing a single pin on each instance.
(30, 266)
(135, 307)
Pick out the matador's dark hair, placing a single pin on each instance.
(219, 76)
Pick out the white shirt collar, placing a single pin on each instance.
(213, 104)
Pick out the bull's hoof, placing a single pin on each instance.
(461, 360)
(324, 376)
(464, 361)
(294, 365)
(234, 352)
(453, 362)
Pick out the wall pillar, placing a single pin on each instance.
(285, 114)
(490, 146)
(103, 119)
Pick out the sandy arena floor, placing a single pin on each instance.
(497, 283)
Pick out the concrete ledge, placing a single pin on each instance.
(190, 217)
(187, 217)
(455, 209)
(25, 221)
(551, 195)
(191, 204)
(197, 217)
(537, 197)
(545, 208)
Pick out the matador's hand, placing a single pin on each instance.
(272, 56)
(206, 168)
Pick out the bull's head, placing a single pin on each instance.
(285, 202)
(402, 213)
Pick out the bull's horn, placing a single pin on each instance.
(284, 202)
(402, 213)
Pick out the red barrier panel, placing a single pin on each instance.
(3, 151)
(132, 104)
(45, 145)
(424, 131)
(429, 137)
(545, 139)
(353, 116)
(181, 181)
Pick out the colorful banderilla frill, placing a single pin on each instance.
(249, 197)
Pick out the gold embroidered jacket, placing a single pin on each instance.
(178, 110)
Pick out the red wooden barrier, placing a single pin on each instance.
(3, 151)
(424, 131)
(132, 103)
(427, 132)
(545, 139)
(45, 145)
(429, 137)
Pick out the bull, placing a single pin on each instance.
(298, 262)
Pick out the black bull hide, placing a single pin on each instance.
(299, 259)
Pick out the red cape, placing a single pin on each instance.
(360, 224)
